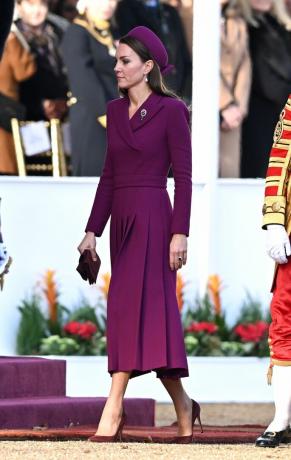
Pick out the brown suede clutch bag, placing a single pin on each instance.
(87, 267)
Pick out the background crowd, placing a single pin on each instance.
(59, 58)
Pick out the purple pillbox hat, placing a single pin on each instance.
(154, 45)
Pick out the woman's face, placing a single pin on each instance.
(129, 68)
(262, 5)
(101, 9)
(33, 12)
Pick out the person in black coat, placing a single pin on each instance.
(89, 54)
(165, 21)
(6, 15)
(270, 48)
(44, 94)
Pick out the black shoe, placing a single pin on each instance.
(272, 438)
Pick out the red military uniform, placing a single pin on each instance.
(277, 210)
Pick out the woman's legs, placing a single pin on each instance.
(112, 411)
(182, 404)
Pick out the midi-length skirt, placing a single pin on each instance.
(144, 330)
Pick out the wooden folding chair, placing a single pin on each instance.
(49, 163)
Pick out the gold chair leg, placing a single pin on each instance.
(55, 147)
(18, 147)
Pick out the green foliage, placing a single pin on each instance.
(37, 334)
(203, 344)
(85, 312)
(202, 310)
(56, 345)
(232, 348)
(55, 328)
(191, 344)
(223, 341)
(251, 311)
(32, 327)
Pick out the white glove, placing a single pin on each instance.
(278, 243)
(4, 257)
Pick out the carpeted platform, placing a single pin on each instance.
(33, 393)
(212, 435)
(22, 377)
(57, 412)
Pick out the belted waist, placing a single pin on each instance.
(139, 180)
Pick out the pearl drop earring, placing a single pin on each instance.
(146, 78)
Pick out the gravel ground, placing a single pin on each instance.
(212, 414)
(80, 450)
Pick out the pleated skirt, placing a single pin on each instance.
(144, 330)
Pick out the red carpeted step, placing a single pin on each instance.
(24, 377)
(55, 412)
(212, 434)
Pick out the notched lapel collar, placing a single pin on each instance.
(122, 123)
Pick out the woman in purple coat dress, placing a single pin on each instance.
(148, 132)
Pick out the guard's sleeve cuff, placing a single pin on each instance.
(102, 120)
(274, 210)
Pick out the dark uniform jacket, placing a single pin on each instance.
(92, 84)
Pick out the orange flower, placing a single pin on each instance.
(104, 288)
(51, 294)
(179, 291)
(214, 287)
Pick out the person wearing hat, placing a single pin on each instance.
(277, 223)
(163, 19)
(147, 132)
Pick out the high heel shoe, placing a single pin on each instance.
(114, 438)
(195, 415)
(183, 439)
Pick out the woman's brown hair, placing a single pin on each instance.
(155, 78)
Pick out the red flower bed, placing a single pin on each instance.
(253, 332)
(84, 330)
(203, 326)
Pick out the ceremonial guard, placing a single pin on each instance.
(277, 222)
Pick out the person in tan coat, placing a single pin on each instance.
(235, 83)
(17, 64)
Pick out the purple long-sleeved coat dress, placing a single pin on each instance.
(144, 329)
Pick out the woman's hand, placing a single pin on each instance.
(232, 118)
(178, 248)
(88, 242)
